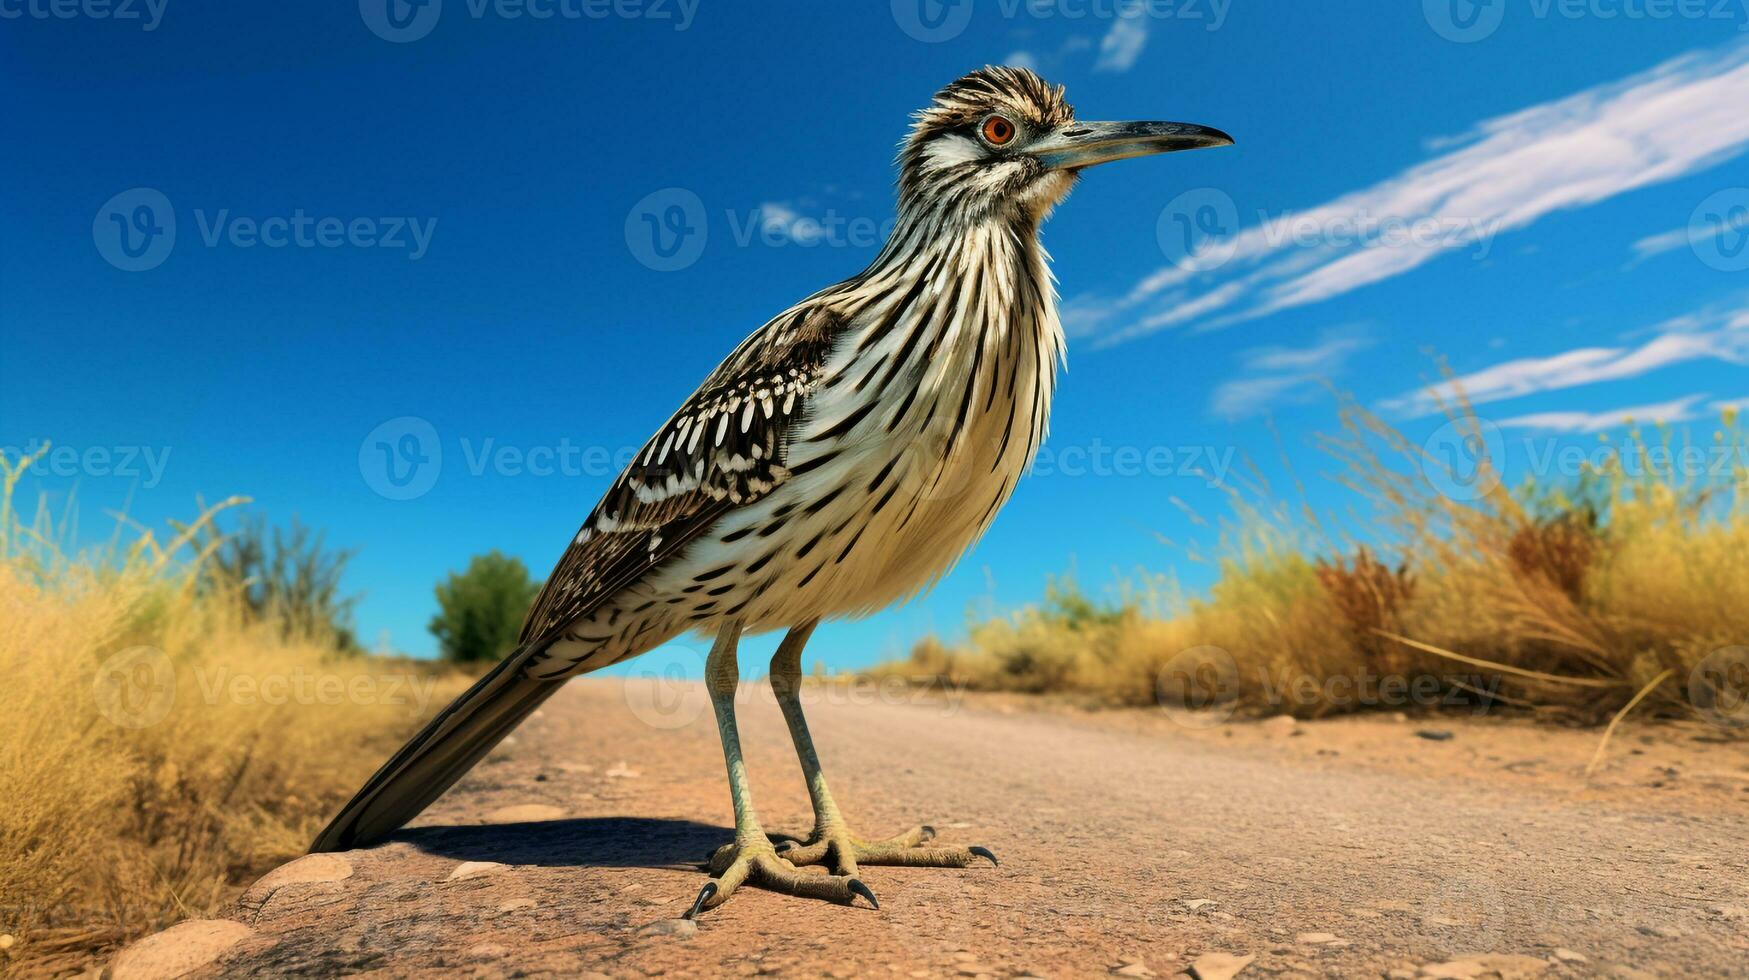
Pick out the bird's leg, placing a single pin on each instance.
(751, 858)
(832, 840)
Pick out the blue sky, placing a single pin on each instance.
(430, 229)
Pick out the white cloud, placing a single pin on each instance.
(1719, 334)
(1675, 238)
(1660, 243)
(782, 219)
(1667, 413)
(1280, 374)
(1678, 118)
(1123, 43)
(1021, 59)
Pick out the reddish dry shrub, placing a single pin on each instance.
(1559, 550)
(1371, 596)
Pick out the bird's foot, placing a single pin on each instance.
(752, 860)
(835, 846)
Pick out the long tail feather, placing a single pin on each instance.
(443, 751)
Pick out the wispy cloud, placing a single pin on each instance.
(1676, 119)
(1123, 43)
(1720, 334)
(1682, 409)
(1736, 222)
(782, 218)
(1274, 375)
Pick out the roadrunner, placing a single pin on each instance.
(837, 462)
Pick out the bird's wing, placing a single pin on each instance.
(725, 447)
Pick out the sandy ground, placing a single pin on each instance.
(1130, 843)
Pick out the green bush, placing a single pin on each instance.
(481, 609)
(282, 575)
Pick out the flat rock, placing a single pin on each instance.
(1219, 966)
(473, 869)
(1316, 938)
(676, 928)
(1487, 966)
(178, 950)
(307, 870)
(526, 813)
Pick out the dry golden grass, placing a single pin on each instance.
(1567, 600)
(160, 749)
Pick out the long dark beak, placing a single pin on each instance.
(1083, 144)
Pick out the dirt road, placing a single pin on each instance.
(1128, 844)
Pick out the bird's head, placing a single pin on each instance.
(1004, 140)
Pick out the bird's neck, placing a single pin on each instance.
(961, 318)
(1001, 270)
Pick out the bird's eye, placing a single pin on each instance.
(998, 131)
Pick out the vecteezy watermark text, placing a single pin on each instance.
(1210, 464)
(934, 21)
(1469, 21)
(302, 230)
(402, 21)
(139, 687)
(402, 458)
(126, 462)
(1199, 230)
(147, 13)
(135, 230)
(1467, 458)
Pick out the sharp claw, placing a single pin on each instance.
(928, 832)
(704, 895)
(858, 888)
(984, 852)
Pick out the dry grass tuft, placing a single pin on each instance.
(164, 748)
(1571, 600)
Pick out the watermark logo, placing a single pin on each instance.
(1718, 687)
(932, 21)
(401, 458)
(1198, 229)
(667, 230)
(400, 21)
(135, 230)
(1466, 910)
(1464, 21)
(666, 698)
(1718, 230)
(136, 688)
(1463, 458)
(1199, 688)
